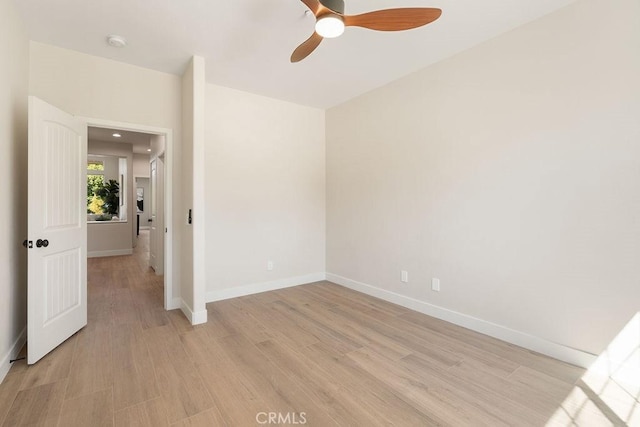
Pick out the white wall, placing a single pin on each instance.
(187, 190)
(146, 201)
(141, 165)
(510, 171)
(100, 88)
(193, 285)
(113, 238)
(14, 71)
(157, 243)
(265, 191)
(141, 170)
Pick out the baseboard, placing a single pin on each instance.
(256, 288)
(13, 352)
(194, 317)
(115, 252)
(531, 342)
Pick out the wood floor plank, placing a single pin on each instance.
(92, 365)
(8, 392)
(276, 389)
(236, 397)
(182, 389)
(282, 328)
(146, 414)
(481, 388)
(323, 332)
(330, 396)
(208, 418)
(95, 409)
(390, 407)
(218, 326)
(352, 329)
(354, 300)
(54, 367)
(423, 395)
(134, 377)
(39, 405)
(183, 395)
(244, 323)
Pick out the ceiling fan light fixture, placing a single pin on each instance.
(330, 26)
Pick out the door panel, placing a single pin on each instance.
(156, 242)
(57, 262)
(153, 238)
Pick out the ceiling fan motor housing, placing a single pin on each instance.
(335, 5)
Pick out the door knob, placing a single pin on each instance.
(42, 243)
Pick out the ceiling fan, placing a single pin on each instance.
(331, 21)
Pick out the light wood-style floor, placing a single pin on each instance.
(317, 353)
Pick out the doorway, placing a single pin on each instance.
(159, 149)
(58, 223)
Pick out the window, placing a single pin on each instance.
(95, 181)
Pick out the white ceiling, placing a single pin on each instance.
(140, 141)
(247, 43)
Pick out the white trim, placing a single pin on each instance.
(194, 317)
(12, 354)
(256, 288)
(114, 252)
(186, 310)
(169, 290)
(199, 192)
(531, 342)
(174, 304)
(199, 317)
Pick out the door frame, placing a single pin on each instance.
(171, 302)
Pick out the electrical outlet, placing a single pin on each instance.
(269, 265)
(435, 284)
(404, 277)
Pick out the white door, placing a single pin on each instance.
(153, 217)
(57, 257)
(156, 243)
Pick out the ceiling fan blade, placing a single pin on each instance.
(313, 5)
(393, 19)
(306, 47)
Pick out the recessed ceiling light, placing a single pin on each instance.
(116, 41)
(116, 135)
(148, 149)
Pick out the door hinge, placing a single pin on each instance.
(28, 244)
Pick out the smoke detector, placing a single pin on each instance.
(116, 41)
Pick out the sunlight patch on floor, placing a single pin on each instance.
(609, 392)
